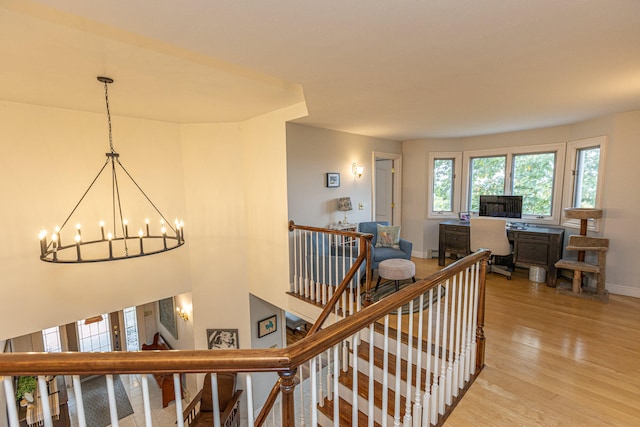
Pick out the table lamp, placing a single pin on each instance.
(344, 205)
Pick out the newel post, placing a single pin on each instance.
(287, 386)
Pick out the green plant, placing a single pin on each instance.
(25, 385)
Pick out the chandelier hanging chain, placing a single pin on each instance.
(106, 82)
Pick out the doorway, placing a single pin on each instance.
(387, 184)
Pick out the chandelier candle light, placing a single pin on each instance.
(109, 246)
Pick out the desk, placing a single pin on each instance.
(540, 246)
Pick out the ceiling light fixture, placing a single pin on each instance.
(110, 246)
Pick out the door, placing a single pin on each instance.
(384, 190)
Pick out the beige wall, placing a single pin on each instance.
(620, 198)
(312, 152)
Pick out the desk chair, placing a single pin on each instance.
(491, 233)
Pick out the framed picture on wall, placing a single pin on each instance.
(267, 326)
(222, 339)
(333, 179)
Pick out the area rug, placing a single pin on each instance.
(96, 401)
(387, 288)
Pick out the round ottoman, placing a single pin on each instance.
(396, 269)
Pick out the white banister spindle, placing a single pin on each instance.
(12, 410)
(385, 372)
(417, 405)
(146, 401)
(474, 319)
(313, 408)
(177, 390)
(452, 327)
(296, 259)
(371, 391)
(77, 390)
(301, 390)
(456, 363)
(436, 340)
(250, 416)
(113, 409)
(354, 388)
(396, 390)
(407, 409)
(320, 381)
(336, 385)
(467, 337)
(329, 371)
(214, 397)
(443, 352)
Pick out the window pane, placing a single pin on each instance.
(95, 336)
(487, 177)
(533, 178)
(586, 185)
(443, 185)
(51, 339)
(131, 329)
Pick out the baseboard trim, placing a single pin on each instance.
(629, 291)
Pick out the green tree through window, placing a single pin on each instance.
(443, 185)
(533, 178)
(487, 177)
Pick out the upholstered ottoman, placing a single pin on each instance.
(396, 269)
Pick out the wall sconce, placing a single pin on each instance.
(184, 314)
(357, 170)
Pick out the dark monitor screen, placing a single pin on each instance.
(501, 206)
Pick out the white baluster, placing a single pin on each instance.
(407, 409)
(313, 408)
(77, 390)
(113, 409)
(371, 385)
(385, 373)
(354, 367)
(417, 405)
(250, 416)
(146, 401)
(474, 320)
(329, 370)
(301, 390)
(436, 360)
(11, 404)
(396, 402)
(177, 390)
(443, 367)
(336, 393)
(214, 397)
(452, 313)
(456, 363)
(426, 407)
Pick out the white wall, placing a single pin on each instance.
(312, 152)
(49, 158)
(620, 198)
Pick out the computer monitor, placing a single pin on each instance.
(501, 206)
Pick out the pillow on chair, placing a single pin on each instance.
(388, 236)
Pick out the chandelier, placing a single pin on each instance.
(78, 246)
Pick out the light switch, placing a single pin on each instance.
(360, 206)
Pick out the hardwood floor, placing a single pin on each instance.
(551, 359)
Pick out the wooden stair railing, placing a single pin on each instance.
(284, 362)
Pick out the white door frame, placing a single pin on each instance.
(397, 184)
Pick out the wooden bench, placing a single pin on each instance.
(165, 381)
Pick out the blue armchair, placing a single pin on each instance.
(381, 253)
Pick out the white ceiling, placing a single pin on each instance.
(392, 69)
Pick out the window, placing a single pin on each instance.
(584, 174)
(533, 176)
(533, 172)
(51, 339)
(487, 177)
(131, 329)
(444, 184)
(95, 336)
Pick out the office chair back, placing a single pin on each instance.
(490, 233)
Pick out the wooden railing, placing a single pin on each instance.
(464, 351)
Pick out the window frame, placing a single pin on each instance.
(54, 331)
(509, 152)
(457, 157)
(569, 179)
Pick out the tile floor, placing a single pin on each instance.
(161, 417)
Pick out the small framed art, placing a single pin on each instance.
(333, 179)
(464, 216)
(222, 339)
(267, 326)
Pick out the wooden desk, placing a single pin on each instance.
(540, 246)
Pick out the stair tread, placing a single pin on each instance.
(346, 378)
(345, 413)
(378, 358)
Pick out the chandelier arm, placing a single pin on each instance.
(145, 195)
(116, 189)
(85, 193)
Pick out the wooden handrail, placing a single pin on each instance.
(252, 360)
(268, 404)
